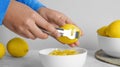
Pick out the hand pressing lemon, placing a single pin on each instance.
(2, 50)
(112, 30)
(66, 39)
(17, 47)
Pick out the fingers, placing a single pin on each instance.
(37, 32)
(81, 32)
(77, 43)
(54, 24)
(60, 20)
(26, 34)
(41, 22)
(16, 31)
(52, 16)
(74, 44)
(69, 21)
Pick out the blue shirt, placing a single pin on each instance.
(34, 4)
(3, 8)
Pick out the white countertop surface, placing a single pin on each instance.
(32, 60)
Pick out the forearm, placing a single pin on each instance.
(34, 4)
(3, 9)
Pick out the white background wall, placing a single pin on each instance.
(87, 14)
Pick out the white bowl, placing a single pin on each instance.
(77, 60)
(110, 46)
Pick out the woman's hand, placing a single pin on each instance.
(56, 18)
(26, 22)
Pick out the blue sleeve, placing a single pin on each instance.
(34, 4)
(3, 9)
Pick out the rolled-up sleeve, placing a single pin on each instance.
(3, 9)
(34, 4)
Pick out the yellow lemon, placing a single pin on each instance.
(113, 29)
(102, 31)
(17, 47)
(67, 40)
(2, 50)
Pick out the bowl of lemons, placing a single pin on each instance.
(109, 38)
(62, 57)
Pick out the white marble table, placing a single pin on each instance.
(32, 60)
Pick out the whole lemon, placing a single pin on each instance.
(102, 31)
(2, 50)
(113, 29)
(66, 40)
(17, 47)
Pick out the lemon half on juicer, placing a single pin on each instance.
(70, 34)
